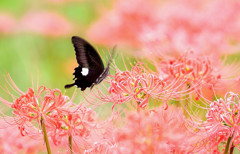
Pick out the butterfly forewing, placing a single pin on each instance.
(86, 55)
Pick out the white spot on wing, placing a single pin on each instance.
(85, 71)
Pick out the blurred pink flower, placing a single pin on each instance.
(57, 1)
(157, 131)
(124, 22)
(207, 27)
(101, 139)
(222, 124)
(172, 26)
(7, 23)
(63, 1)
(102, 147)
(46, 23)
(11, 141)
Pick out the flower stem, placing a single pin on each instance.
(45, 135)
(70, 143)
(228, 144)
(231, 149)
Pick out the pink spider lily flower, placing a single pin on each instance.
(30, 106)
(137, 85)
(157, 131)
(45, 23)
(195, 72)
(222, 125)
(33, 109)
(199, 74)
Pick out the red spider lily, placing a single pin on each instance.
(203, 75)
(31, 106)
(222, 126)
(138, 85)
(160, 131)
(195, 72)
(31, 109)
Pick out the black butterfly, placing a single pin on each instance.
(90, 70)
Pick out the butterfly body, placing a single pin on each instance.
(90, 70)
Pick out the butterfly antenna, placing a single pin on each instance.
(110, 59)
(92, 86)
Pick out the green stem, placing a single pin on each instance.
(228, 144)
(45, 135)
(231, 149)
(70, 143)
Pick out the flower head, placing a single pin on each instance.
(32, 107)
(191, 71)
(137, 85)
(222, 122)
(77, 121)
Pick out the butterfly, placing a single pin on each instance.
(90, 70)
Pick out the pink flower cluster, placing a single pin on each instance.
(47, 112)
(174, 77)
(69, 127)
